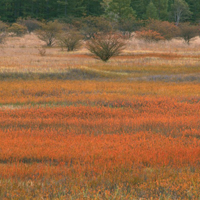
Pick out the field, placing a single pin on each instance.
(73, 127)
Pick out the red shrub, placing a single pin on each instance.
(149, 36)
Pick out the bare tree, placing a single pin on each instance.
(49, 32)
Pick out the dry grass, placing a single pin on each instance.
(173, 46)
(21, 55)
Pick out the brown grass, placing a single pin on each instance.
(22, 52)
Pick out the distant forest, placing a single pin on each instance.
(165, 10)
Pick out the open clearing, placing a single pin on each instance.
(73, 127)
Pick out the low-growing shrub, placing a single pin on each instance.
(166, 29)
(149, 36)
(30, 24)
(106, 46)
(17, 29)
(71, 40)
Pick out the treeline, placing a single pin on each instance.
(165, 10)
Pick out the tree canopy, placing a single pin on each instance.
(11, 10)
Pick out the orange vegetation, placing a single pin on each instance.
(78, 139)
(101, 136)
(133, 144)
(106, 139)
(70, 92)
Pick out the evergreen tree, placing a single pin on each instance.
(139, 6)
(162, 8)
(73, 8)
(120, 9)
(7, 11)
(62, 7)
(11, 10)
(151, 11)
(94, 7)
(195, 9)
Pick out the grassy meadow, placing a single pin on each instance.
(74, 127)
